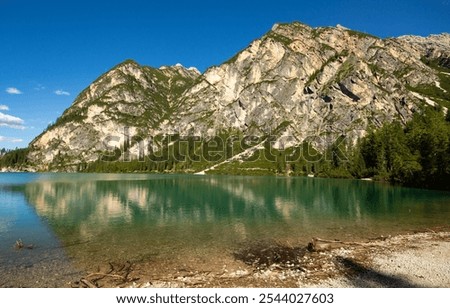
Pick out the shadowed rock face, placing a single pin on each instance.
(278, 81)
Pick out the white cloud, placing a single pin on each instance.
(39, 87)
(11, 121)
(10, 139)
(61, 92)
(4, 107)
(13, 91)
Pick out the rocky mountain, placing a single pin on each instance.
(296, 84)
(140, 99)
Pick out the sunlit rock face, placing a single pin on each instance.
(296, 82)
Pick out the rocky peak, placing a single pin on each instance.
(435, 40)
(296, 83)
(179, 69)
(432, 47)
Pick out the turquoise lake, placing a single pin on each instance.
(95, 218)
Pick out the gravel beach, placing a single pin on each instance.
(402, 261)
(419, 260)
(409, 260)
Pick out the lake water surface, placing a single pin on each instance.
(96, 218)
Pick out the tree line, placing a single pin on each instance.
(16, 158)
(416, 154)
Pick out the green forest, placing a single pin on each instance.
(15, 159)
(416, 154)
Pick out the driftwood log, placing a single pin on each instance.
(118, 274)
(87, 283)
(318, 244)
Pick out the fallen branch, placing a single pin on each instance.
(88, 283)
(318, 244)
(107, 275)
(117, 274)
(327, 241)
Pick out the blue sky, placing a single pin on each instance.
(51, 50)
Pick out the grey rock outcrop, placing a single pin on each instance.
(296, 82)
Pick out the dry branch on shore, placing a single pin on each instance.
(117, 275)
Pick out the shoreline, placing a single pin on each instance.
(416, 259)
(202, 173)
(420, 259)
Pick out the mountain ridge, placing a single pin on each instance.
(297, 83)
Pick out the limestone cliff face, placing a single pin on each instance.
(296, 82)
(129, 100)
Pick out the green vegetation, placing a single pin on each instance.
(15, 159)
(74, 114)
(435, 64)
(399, 73)
(433, 92)
(361, 35)
(326, 47)
(376, 69)
(345, 70)
(232, 59)
(316, 32)
(279, 38)
(314, 76)
(334, 58)
(295, 24)
(376, 47)
(417, 154)
(440, 95)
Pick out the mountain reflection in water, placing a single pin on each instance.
(134, 217)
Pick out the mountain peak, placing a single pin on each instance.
(127, 62)
(339, 26)
(295, 84)
(181, 68)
